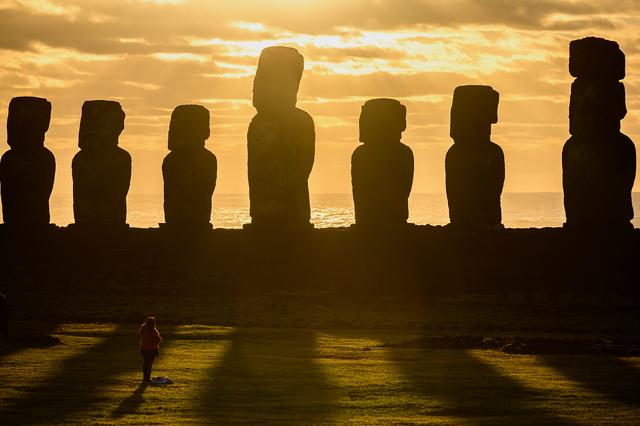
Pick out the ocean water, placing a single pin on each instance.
(519, 210)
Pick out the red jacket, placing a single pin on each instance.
(149, 341)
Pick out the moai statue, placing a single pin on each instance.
(382, 168)
(474, 165)
(598, 161)
(281, 143)
(189, 170)
(101, 170)
(27, 170)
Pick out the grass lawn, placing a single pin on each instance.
(226, 375)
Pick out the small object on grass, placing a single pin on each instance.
(159, 380)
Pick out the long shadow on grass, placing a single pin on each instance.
(267, 375)
(609, 376)
(132, 403)
(470, 390)
(26, 336)
(80, 381)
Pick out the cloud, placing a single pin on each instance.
(100, 26)
(154, 55)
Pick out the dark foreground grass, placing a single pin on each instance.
(248, 375)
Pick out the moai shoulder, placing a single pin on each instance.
(296, 130)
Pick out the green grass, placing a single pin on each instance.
(226, 375)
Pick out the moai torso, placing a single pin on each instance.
(189, 170)
(382, 168)
(27, 170)
(474, 165)
(280, 143)
(598, 176)
(101, 170)
(475, 177)
(598, 161)
(280, 157)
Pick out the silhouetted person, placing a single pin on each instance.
(150, 340)
(598, 161)
(281, 142)
(474, 165)
(189, 170)
(382, 168)
(101, 170)
(28, 169)
(4, 318)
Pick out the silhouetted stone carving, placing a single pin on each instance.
(281, 142)
(598, 161)
(27, 170)
(382, 168)
(189, 170)
(101, 170)
(474, 165)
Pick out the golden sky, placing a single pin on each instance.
(154, 55)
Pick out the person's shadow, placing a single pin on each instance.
(131, 404)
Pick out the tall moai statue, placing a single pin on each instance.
(189, 170)
(281, 143)
(27, 170)
(382, 168)
(101, 170)
(474, 165)
(598, 161)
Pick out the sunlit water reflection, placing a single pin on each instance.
(521, 210)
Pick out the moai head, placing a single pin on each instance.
(100, 125)
(275, 86)
(382, 121)
(597, 96)
(27, 123)
(189, 127)
(473, 110)
(596, 59)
